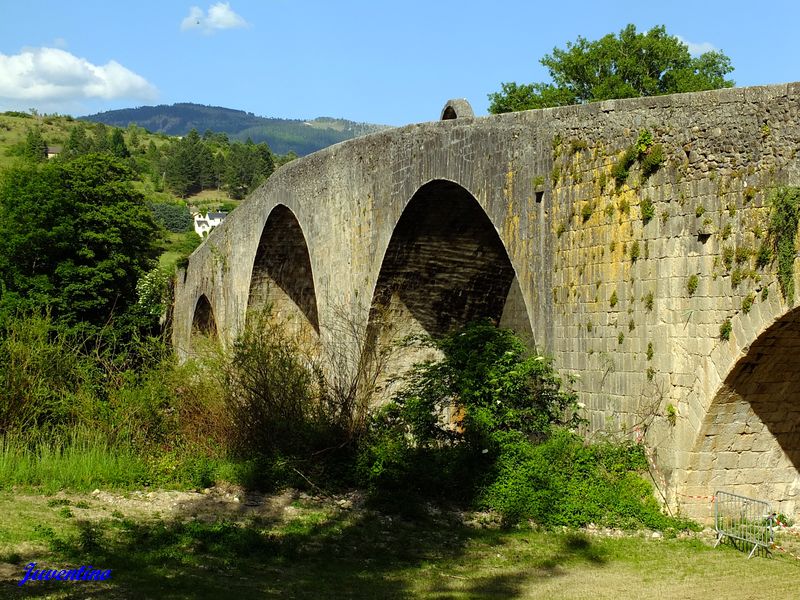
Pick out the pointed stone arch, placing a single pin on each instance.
(281, 277)
(749, 441)
(445, 266)
(203, 321)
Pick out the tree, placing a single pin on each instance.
(78, 142)
(625, 66)
(189, 166)
(118, 147)
(35, 146)
(74, 239)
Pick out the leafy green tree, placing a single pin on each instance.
(173, 217)
(625, 66)
(74, 240)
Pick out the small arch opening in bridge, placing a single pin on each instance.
(750, 439)
(203, 322)
(457, 108)
(281, 277)
(444, 267)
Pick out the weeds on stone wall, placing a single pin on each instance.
(725, 330)
(692, 283)
(747, 303)
(586, 211)
(784, 219)
(635, 251)
(648, 301)
(649, 155)
(648, 210)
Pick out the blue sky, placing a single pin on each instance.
(379, 62)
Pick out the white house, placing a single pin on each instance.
(204, 224)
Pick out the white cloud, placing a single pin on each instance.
(220, 16)
(698, 49)
(54, 75)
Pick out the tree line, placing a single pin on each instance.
(182, 166)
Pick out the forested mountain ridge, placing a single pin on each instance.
(282, 135)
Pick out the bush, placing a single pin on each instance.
(442, 427)
(489, 426)
(271, 391)
(564, 481)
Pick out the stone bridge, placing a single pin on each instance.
(641, 277)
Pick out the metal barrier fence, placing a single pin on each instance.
(743, 519)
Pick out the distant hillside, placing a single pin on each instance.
(282, 135)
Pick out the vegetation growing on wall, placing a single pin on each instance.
(692, 283)
(648, 210)
(650, 157)
(725, 330)
(783, 235)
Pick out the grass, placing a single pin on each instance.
(317, 550)
(176, 246)
(80, 466)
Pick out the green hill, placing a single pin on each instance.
(282, 135)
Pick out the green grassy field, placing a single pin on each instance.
(248, 546)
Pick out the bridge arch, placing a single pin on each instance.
(281, 277)
(445, 265)
(749, 439)
(203, 321)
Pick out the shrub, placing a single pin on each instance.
(489, 385)
(577, 145)
(742, 254)
(272, 391)
(747, 303)
(566, 482)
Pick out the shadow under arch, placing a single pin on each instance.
(445, 266)
(203, 321)
(281, 277)
(749, 442)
